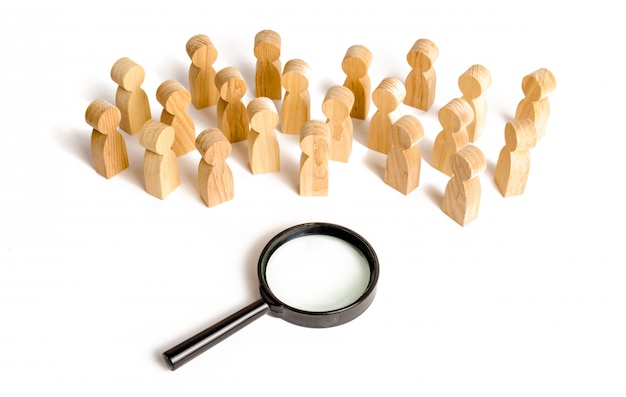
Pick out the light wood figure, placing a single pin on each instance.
(201, 72)
(403, 165)
(296, 107)
(514, 159)
(268, 66)
(461, 199)
(355, 65)
(387, 97)
(454, 118)
(314, 142)
(263, 148)
(175, 99)
(160, 165)
(130, 98)
(473, 84)
(215, 179)
(535, 106)
(108, 148)
(232, 116)
(422, 79)
(337, 106)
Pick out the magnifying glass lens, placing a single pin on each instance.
(317, 273)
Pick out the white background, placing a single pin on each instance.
(97, 277)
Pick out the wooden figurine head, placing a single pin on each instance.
(127, 74)
(267, 45)
(406, 131)
(389, 93)
(455, 115)
(357, 61)
(172, 95)
(157, 137)
(103, 116)
(262, 114)
(213, 146)
(423, 54)
(338, 102)
(201, 50)
(296, 75)
(475, 81)
(520, 135)
(468, 163)
(539, 84)
(231, 84)
(315, 138)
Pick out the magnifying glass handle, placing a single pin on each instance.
(194, 346)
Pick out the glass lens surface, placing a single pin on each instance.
(317, 273)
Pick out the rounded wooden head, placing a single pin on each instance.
(128, 74)
(156, 136)
(456, 115)
(103, 116)
(296, 75)
(468, 162)
(520, 135)
(172, 94)
(201, 50)
(406, 131)
(389, 93)
(262, 114)
(313, 134)
(231, 84)
(338, 102)
(357, 60)
(213, 145)
(423, 54)
(475, 81)
(539, 84)
(267, 45)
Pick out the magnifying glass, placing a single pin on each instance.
(314, 275)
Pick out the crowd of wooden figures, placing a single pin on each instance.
(396, 135)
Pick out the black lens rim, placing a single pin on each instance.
(322, 319)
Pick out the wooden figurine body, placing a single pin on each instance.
(514, 159)
(108, 147)
(268, 66)
(175, 99)
(215, 179)
(296, 107)
(314, 142)
(403, 165)
(130, 98)
(461, 199)
(232, 116)
(201, 72)
(337, 106)
(263, 149)
(473, 84)
(422, 79)
(454, 118)
(535, 106)
(160, 165)
(387, 97)
(355, 65)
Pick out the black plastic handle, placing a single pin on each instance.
(194, 346)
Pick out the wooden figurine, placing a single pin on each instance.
(296, 106)
(314, 142)
(337, 106)
(215, 179)
(454, 118)
(201, 72)
(160, 166)
(130, 98)
(461, 199)
(108, 148)
(387, 97)
(232, 116)
(268, 66)
(175, 99)
(355, 65)
(422, 79)
(473, 83)
(402, 168)
(514, 159)
(263, 149)
(535, 106)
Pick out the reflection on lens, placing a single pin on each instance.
(317, 273)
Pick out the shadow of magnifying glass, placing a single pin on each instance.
(315, 275)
